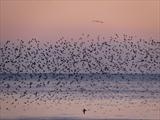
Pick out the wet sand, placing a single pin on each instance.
(103, 98)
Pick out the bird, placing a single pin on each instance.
(98, 21)
(84, 111)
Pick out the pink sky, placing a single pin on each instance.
(49, 20)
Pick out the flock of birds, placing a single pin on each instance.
(32, 73)
(119, 54)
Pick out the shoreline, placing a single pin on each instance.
(71, 118)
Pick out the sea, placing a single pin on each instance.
(52, 96)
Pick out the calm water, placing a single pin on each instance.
(63, 96)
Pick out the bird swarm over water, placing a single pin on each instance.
(86, 55)
(119, 54)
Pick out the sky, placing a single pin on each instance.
(48, 20)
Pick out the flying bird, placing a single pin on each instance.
(97, 21)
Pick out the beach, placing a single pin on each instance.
(64, 97)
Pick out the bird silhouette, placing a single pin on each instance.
(84, 111)
(98, 21)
